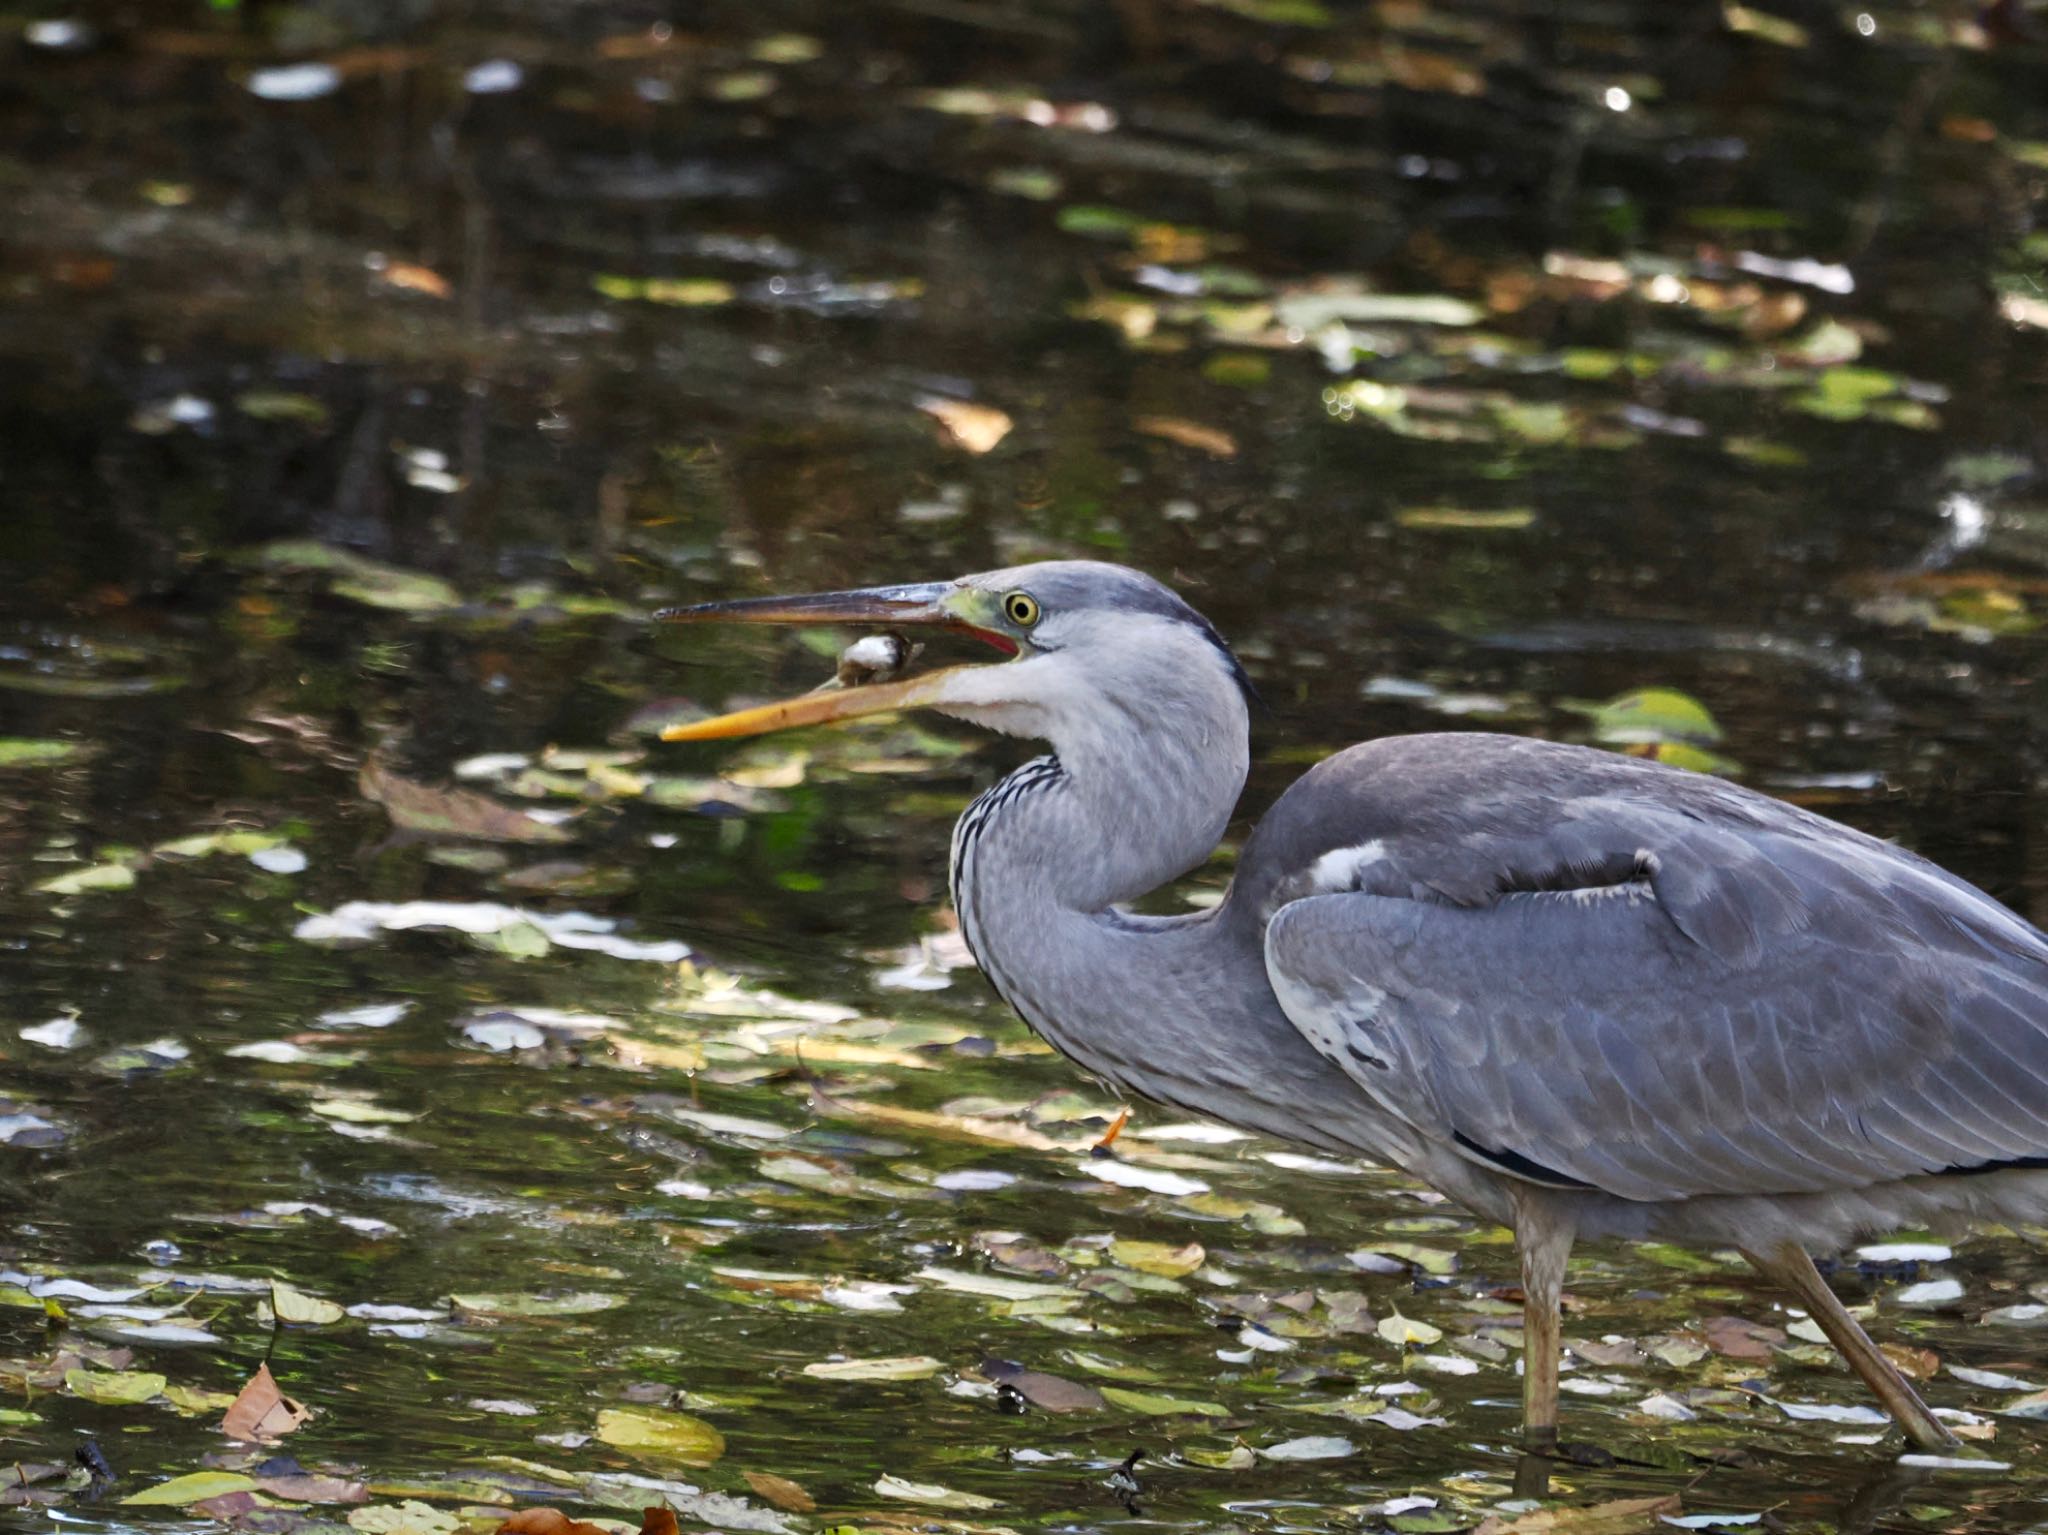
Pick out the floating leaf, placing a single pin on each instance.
(1158, 1257)
(192, 1488)
(514, 1303)
(1650, 715)
(932, 1494)
(1211, 440)
(781, 1491)
(1501, 519)
(660, 1435)
(262, 1413)
(1402, 1331)
(1162, 1406)
(298, 1309)
(1311, 1447)
(30, 752)
(407, 1518)
(114, 1388)
(977, 428)
(904, 1367)
(94, 877)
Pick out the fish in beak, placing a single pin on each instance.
(932, 605)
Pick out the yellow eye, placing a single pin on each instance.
(1021, 608)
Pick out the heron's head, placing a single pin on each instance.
(1092, 652)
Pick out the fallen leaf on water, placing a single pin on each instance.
(296, 1308)
(114, 1388)
(1488, 519)
(661, 1436)
(193, 1488)
(1154, 1406)
(407, 1518)
(904, 1367)
(1049, 1393)
(931, 1493)
(657, 1521)
(977, 428)
(414, 279)
(1158, 1258)
(262, 1413)
(463, 813)
(514, 1303)
(1402, 1331)
(306, 1488)
(1312, 1447)
(1735, 1338)
(1211, 440)
(780, 1491)
(1624, 1516)
(548, 1521)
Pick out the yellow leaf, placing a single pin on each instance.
(1158, 1258)
(296, 1308)
(661, 1436)
(1402, 1331)
(903, 1367)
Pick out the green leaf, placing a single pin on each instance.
(1648, 715)
(93, 877)
(1162, 1406)
(195, 1487)
(33, 752)
(114, 1388)
(661, 1436)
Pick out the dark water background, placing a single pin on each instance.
(364, 428)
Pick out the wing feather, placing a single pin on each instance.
(1665, 999)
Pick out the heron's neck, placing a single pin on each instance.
(1176, 1009)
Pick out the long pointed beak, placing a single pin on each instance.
(934, 604)
(874, 605)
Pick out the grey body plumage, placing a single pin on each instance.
(1583, 994)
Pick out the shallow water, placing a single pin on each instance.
(346, 441)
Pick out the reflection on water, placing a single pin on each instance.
(1638, 373)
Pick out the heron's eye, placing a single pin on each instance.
(1021, 608)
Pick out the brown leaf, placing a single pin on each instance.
(547, 1521)
(977, 428)
(1214, 441)
(262, 1413)
(1735, 1338)
(306, 1488)
(1055, 1394)
(1624, 1516)
(228, 1506)
(1914, 1363)
(658, 1521)
(420, 807)
(780, 1491)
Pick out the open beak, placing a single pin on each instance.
(935, 605)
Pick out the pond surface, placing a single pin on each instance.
(368, 373)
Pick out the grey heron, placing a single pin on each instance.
(1584, 995)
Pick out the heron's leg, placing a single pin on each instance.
(1791, 1266)
(1543, 1234)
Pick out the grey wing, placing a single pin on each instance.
(1657, 1003)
